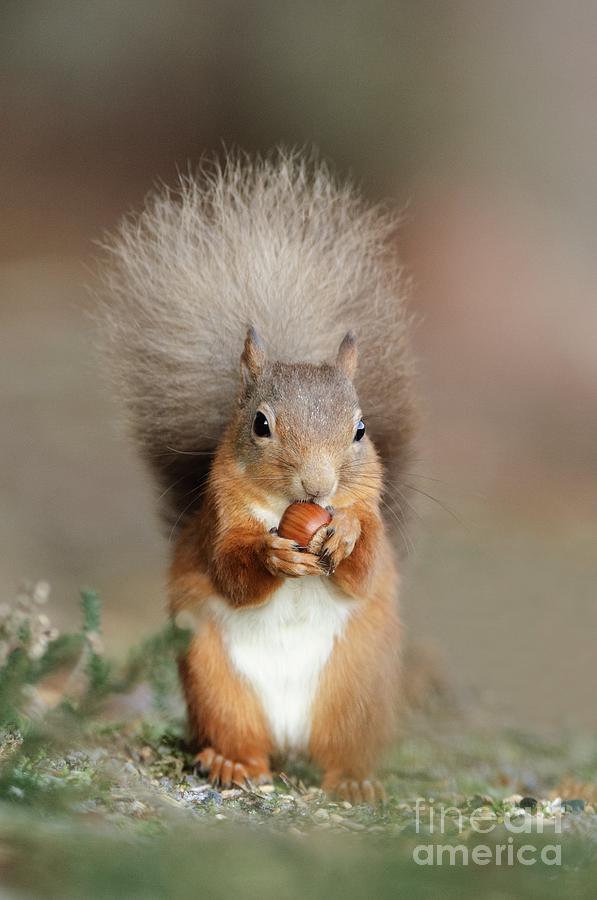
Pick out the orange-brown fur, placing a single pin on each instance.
(359, 685)
(221, 552)
(223, 711)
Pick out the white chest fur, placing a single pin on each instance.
(281, 649)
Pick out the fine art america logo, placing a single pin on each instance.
(506, 847)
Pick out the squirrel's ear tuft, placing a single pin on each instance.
(253, 357)
(348, 354)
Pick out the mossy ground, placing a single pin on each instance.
(93, 805)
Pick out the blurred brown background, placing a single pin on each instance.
(480, 120)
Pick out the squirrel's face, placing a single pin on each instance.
(301, 433)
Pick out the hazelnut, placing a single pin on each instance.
(301, 520)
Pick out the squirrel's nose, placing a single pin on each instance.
(322, 487)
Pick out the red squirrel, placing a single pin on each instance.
(296, 650)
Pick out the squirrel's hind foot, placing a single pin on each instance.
(369, 790)
(227, 772)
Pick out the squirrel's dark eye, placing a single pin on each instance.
(261, 426)
(360, 430)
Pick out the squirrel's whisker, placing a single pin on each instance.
(440, 503)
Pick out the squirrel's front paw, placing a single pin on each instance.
(334, 542)
(284, 557)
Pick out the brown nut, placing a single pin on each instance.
(301, 520)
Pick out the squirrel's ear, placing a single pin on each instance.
(252, 360)
(348, 354)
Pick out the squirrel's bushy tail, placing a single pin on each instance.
(274, 242)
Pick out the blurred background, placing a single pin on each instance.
(479, 121)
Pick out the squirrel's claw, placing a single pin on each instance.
(221, 771)
(334, 542)
(284, 557)
(370, 791)
(366, 790)
(316, 544)
(227, 772)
